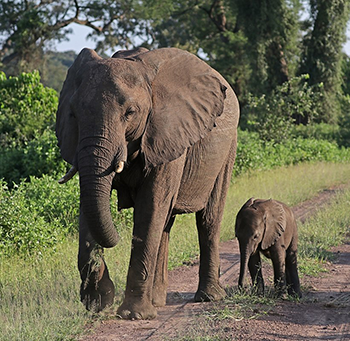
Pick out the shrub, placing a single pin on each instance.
(318, 131)
(27, 108)
(37, 157)
(255, 154)
(344, 122)
(40, 213)
(273, 116)
(37, 215)
(28, 145)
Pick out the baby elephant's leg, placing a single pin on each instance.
(254, 266)
(278, 261)
(293, 283)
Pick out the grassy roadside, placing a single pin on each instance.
(39, 296)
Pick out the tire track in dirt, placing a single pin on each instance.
(323, 314)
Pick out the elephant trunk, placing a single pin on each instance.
(97, 170)
(243, 266)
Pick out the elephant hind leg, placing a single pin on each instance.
(292, 277)
(208, 223)
(160, 283)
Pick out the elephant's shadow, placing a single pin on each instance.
(176, 297)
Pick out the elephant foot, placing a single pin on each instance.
(210, 293)
(159, 297)
(294, 293)
(137, 310)
(97, 297)
(258, 289)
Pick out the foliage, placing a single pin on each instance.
(255, 154)
(251, 57)
(272, 41)
(318, 131)
(40, 214)
(28, 145)
(344, 122)
(53, 70)
(28, 27)
(273, 116)
(27, 108)
(322, 51)
(36, 215)
(37, 157)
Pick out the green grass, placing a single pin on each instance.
(39, 295)
(327, 228)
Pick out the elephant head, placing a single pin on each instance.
(259, 224)
(155, 104)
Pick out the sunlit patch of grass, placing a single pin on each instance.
(39, 297)
(215, 322)
(327, 228)
(242, 304)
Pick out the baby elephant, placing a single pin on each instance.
(268, 226)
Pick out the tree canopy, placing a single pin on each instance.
(256, 45)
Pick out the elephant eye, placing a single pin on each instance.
(256, 236)
(129, 113)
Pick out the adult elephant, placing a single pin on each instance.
(160, 128)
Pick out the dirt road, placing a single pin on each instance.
(322, 314)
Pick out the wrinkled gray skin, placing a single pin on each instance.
(172, 120)
(269, 227)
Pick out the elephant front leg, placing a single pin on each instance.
(96, 290)
(153, 207)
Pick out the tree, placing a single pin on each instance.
(29, 26)
(252, 43)
(322, 51)
(271, 28)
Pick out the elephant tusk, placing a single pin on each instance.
(120, 167)
(68, 176)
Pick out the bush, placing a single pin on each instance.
(37, 215)
(344, 122)
(318, 131)
(27, 108)
(37, 157)
(255, 154)
(28, 145)
(273, 116)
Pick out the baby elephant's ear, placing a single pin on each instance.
(275, 222)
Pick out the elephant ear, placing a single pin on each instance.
(187, 97)
(66, 123)
(244, 209)
(275, 222)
